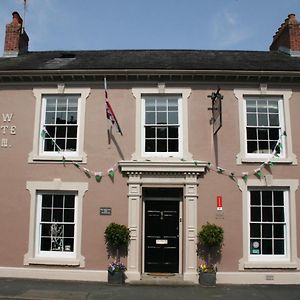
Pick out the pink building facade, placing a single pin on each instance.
(63, 180)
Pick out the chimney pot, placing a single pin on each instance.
(287, 37)
(16, 39)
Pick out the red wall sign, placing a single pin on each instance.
(219, 203)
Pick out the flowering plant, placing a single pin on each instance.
(116, 266)
(204, 268)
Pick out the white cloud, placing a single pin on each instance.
(228, 30)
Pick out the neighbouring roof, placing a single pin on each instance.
(165, 61)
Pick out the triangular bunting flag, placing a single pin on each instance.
(87, 172)
(98, 176)
(111, 173)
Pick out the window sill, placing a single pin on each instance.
(54, 261)
(54, 159)
(269, 265)
(288, 160)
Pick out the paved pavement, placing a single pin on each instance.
(28, 289)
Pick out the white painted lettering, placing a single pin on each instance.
(4, 143)
(13, 129)
(7, 117)
(4, 127)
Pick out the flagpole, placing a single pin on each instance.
(107, 121)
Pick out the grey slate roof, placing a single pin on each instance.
(151, 60)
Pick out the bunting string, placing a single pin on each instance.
(258, 172)
(98, 175)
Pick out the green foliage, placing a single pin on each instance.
(211, 235)
(117, 239)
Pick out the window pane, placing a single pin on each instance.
(48, 145)
(61, 131)
(72, 104)
(61, 117)
(267, 231)
(69, 230)
(173, 105)
(278, 198)
(161, 118)
(263, 147)
(251, 120)
(72, 131)
(274, 134)
(255, 230)
(252, 147)
(51, 104)
(69, 244)
(267, 215)
(279, 247)
(69, 215)
(266, 198)
(255, 246)
(262, 134)
(255, 214)
(150, 105)
(150, 145)
(267, 246)
(262, 106)
(57, 215)
(161, 132)
(162, 145)
(69, 201)
(255, 197)
(273, 106)
(251, 105)
(58, 201)
(150, 118)
(262, 120)
(71, 145)
(51, 131)
(150, 132)
(45, 244)
(161, 105)
(47, 200)
(274, 120)
(278, 231)
(62, 104)
(45, 230)
(251, 134)
(173, 118)
(173, 145)
(61, 144)
(278, 214)
(72, 118)
(50, 118)
(46, 215)
(173, 132)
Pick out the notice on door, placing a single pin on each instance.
(161, 242)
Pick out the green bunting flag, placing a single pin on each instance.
(245, 177)
(98, 176)
(43, 133)
(258, 173)
(111, 173)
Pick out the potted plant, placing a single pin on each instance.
(117, 239)
(210, 242)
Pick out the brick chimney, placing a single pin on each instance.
(287, 37)
(16, 39)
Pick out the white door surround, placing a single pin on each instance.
(179, 174)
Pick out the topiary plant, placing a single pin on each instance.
(210, 239)
(117, 239)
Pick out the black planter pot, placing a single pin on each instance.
(116, 278)
(208, 278)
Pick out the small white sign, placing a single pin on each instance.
(161, 242)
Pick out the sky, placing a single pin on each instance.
(149, 24)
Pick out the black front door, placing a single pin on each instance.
(162, 236)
